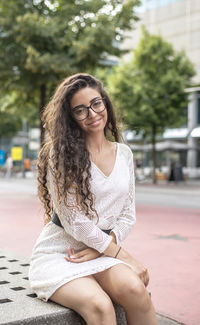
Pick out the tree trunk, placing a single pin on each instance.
(42, 105)
(154, 154)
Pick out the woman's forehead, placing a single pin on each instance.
(84, 96)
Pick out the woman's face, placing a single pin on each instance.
(95, 122)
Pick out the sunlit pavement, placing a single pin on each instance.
(166, 238)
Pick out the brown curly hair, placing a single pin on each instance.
(64, 148)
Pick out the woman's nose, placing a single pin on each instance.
(91, 113)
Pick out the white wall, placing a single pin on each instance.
(178, 23)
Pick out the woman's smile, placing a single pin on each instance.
(95, 123)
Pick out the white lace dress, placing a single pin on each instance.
(115, 204)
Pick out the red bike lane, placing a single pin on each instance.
(165, 239)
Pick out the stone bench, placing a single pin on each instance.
(18, 305)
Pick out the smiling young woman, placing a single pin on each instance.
(86, 184)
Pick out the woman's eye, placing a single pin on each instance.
(79, 111)
(98, 103)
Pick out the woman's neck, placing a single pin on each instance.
(96, 143)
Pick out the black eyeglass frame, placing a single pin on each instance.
(88, 107)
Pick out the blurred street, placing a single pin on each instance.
(165, 238)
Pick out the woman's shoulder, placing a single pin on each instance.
(125, 150)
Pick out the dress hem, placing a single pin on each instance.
(66, 280)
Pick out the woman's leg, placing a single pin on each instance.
(125, 288)
(86, 297)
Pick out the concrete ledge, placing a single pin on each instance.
(166, 321)
(66, 317)
(18, 305)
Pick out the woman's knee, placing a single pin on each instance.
(132, 291)
(100, 304)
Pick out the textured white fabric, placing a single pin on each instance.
(115, 204)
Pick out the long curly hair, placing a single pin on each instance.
(64, 149)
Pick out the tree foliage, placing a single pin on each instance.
(43, 41)
(149, 90)
(9, 124)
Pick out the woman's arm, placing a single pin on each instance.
(127, 216)
(113, 250)
(124, 256)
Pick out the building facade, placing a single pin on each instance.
(178, 22)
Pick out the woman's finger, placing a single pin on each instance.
(77, 255)
(74, 260)
(70, 251)
(142, 278)
(147, 278)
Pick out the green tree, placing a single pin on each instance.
(9, 124)
(149, 90)
(43, 41)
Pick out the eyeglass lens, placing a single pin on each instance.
(82, 112)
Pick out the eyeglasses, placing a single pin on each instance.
(81, 112)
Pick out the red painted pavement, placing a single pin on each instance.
(173, 264)
(21, 220)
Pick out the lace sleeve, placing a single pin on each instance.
(127, 217)
(76, 223)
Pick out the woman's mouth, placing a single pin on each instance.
(95, 123)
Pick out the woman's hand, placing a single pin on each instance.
(141, 271)
(113, 251)
(83, 256)
(137, 267)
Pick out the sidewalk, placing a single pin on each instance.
(183, 185)
(183, 194)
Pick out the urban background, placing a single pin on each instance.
(149, 60)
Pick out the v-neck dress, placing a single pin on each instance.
(115, 205)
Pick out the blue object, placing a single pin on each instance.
(2, 157)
